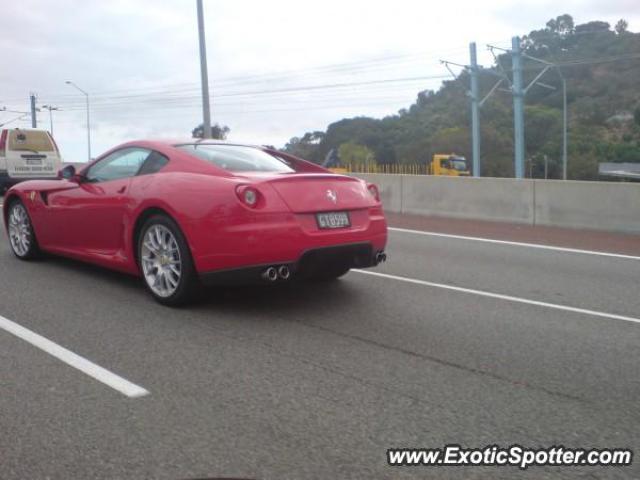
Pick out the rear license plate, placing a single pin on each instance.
(33, 161)
(333, 220)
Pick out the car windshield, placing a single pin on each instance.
(237, 158)
(459, 164)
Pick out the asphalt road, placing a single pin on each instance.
(318, 381)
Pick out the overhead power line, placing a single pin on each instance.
(323, 70)
(290, 90)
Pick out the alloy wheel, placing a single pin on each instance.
(20, 234)
(161, 261)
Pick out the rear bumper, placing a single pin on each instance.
(312, 262)
(236, 242)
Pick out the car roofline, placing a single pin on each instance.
(208, 141)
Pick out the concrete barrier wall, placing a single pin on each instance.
(596, 205)
(477, 198)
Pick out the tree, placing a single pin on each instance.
(307, 146)
(593, 27)
(621, 26)
(218, 132)
(562, 25)
(353, 154)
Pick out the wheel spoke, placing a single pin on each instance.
(158, 237)
(172, 282)
(151, 248)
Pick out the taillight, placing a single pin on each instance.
(248, 195)
(3, 142)
(373, 190)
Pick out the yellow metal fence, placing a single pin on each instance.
(397, 168)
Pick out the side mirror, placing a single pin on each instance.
(67, 173)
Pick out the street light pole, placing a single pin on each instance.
(68, 82)
(564, 125)
(204, 75)
(475, 109)
(49, 107)
(518, 107)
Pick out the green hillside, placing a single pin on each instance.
(602, 68)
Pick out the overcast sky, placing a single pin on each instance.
(274, 67)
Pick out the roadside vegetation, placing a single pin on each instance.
(601, 65)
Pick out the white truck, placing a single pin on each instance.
(27, 154)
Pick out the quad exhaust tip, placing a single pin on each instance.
(381, 257)
(270, 274)
(283, 272)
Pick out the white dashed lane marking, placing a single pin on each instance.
(73, 360)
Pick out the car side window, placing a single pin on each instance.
(153, 164)
(121, 164)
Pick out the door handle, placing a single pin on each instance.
(122, 189)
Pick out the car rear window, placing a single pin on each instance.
(237, 158)
(31, 140)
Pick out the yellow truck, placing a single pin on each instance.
(448, 164)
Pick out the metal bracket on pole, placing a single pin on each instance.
(544, 70)
(493, 89)
(503, 72)
(548, 87)
(447, 63)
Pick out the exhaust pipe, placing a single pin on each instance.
(381, 257)
(283, 272)
(270, 274)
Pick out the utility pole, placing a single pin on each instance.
(49, 107)
(518, 107)
(69, 82)
(518, 100)
(476, 102)
(34, 120)
(475, 109)
(564, 125)
(204, 75)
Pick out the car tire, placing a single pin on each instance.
(165, 262)
(22, 237)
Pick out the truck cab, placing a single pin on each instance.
(449, 165)
(27, 154)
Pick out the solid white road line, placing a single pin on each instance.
(517, 244)
(499, 296)
(76, 361)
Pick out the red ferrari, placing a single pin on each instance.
(183, 213)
